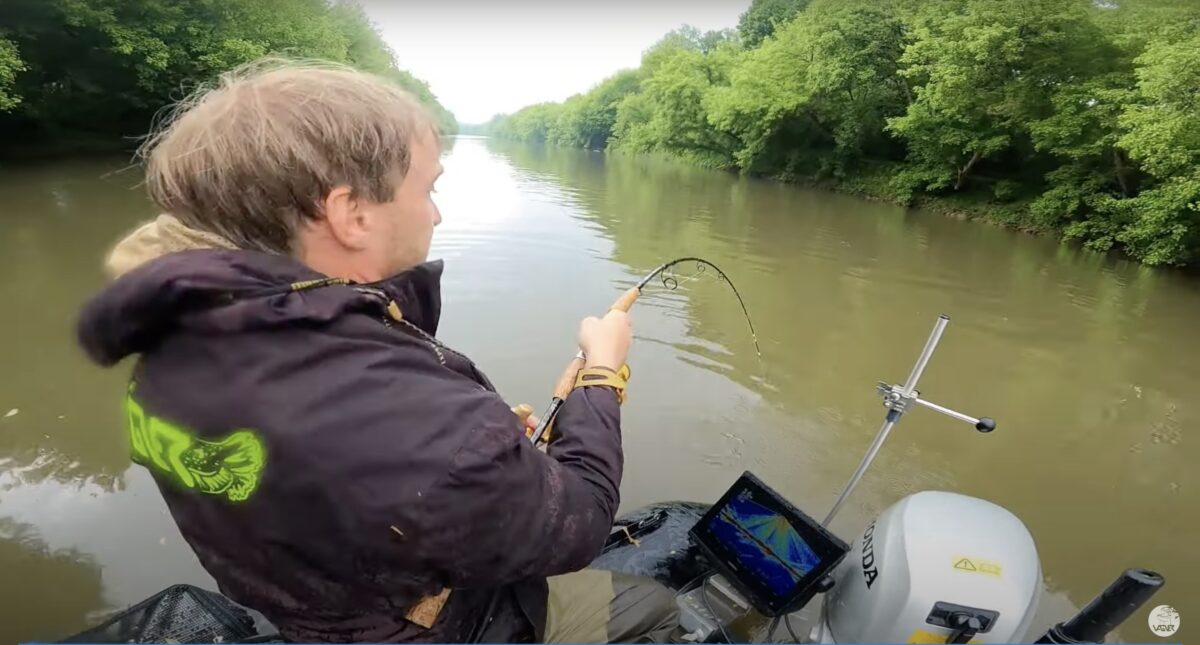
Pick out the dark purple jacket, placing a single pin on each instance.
(331, 464)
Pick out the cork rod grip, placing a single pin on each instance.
(626, 300)
(566, 382)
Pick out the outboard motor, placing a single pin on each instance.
(936, 567)
(940, 567)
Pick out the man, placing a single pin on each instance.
(332, 463)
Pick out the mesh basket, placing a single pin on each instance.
(180, 614)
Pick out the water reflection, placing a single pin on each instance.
(80, 533)
(58, 223)
(66, 586)
(120, 540)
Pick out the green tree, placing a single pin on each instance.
(671, 113)
(764, 17)
(10, 65)
(1162, 133)
(366, 50)
(567, 128)
(364, 47)
(532, 124)
(103, 67)
(1083, 133)
(816, 96)
(981, 71)
(599, 113)
(1088, 195)
(585, 120)
(1135, 24)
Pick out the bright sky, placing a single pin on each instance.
(482, 57)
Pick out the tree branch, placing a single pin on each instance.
(965, 170)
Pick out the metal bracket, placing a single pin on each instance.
(894, 397)
(898, 399)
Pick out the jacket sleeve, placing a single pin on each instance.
(505, 511)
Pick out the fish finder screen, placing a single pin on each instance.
(764, 540)
(773, 552)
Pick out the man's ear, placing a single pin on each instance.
(347, 218)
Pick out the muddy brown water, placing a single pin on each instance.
(1087, 362)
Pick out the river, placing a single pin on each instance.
(1087, 362)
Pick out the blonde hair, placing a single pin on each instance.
(252, 156)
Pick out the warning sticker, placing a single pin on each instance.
(976, 565)
(928, 637)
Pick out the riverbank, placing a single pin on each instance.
(1016, 215)
(875, 185)
(77, 146)
(1079, 120)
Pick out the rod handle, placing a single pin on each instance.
(542, 431)
(566, 382)
(626, 300)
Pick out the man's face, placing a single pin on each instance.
(406, 223)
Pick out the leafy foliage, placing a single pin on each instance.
(10, 64)
(1070, 115)
(764, 17)
(103, 67)
(982, 70)
(828, 79)
(1162, 133)
(671, 112)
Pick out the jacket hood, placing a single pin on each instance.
(156, 238)
(215, 291)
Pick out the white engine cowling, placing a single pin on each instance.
(932, 558)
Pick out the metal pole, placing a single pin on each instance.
(947, 411)
(893, 417)
(863, 465)
(926, 353)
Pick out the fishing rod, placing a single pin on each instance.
(665, 272)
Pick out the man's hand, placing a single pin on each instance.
(605, 341)
(525, 413)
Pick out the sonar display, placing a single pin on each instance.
(764, 542)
